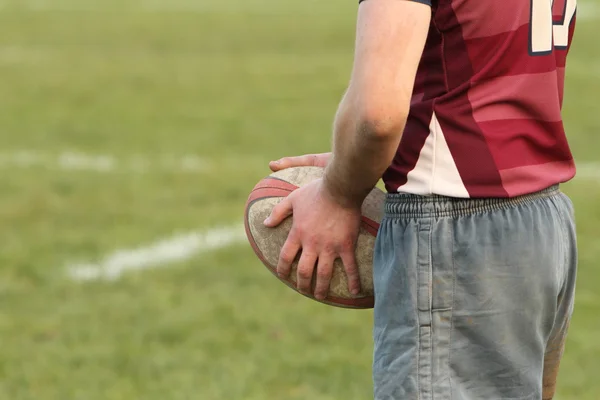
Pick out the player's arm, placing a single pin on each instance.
(370, 120)
(390, 39)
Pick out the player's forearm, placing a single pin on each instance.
(364, 144)
(390, 38)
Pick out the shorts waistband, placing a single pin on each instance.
(401, 205)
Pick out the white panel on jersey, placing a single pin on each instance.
(446, 179)
(419, 180)
(435, 171)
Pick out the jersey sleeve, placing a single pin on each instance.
(427, 2)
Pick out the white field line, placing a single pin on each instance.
(588, 171)
(106, 163)
(185, 246)
(158, 254)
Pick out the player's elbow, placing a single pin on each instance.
(382, 123)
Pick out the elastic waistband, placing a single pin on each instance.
(400, 205)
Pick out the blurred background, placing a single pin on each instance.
(131, 132)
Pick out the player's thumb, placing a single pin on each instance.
(280, 212)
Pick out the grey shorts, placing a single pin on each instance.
(473, 296)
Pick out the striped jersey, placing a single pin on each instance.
(485, 117)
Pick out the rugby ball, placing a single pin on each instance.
(267, 242)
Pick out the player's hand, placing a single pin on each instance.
(324, 231)
(307, 160)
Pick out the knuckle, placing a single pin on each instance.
(286, 257)
(350, 267)
(295, 231)
(285, 203)
(347, 245)
(304, 273)
(312, 242)
(323, 273)
(291, 238)
(328, 249)
(277, 210)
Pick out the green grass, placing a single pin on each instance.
(252, 80)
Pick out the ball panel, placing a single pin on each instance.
(250, 225)
(299, 176)
(372, 207)
(274, 183)
(269, 241)
(371, 226)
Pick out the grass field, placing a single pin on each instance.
(125, 122)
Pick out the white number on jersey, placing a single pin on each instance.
(546, 35)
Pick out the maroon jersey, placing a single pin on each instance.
(485, 117)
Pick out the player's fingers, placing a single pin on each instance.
(288, 254)
(307, 160)
(289, 162)
(306, 267)
(324, 274)
(280, 212)
(351, 267)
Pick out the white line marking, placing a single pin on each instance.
(86, 162)
(159, 254)
(588, 171)
(106, 163)
(73, 161)
(185, 246)
(17, 54)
